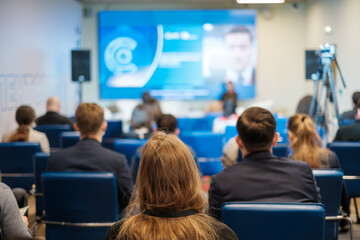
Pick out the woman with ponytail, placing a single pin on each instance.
(306, 143)
(25, 117)
(168, 202)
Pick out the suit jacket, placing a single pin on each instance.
(263, 177)
(54, 118)
(89, 156)
(349, 132)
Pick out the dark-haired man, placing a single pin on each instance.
(261, 176)
(89, 156)
(350, 132)
(352, 113)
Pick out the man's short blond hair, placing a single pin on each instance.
(89, 117)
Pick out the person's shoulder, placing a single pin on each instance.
(6, 136)
(224, 232)
(36, 134)
(112, 155)
(4, 187)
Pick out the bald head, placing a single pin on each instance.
(53, 104)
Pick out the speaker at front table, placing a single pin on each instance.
(80, 65)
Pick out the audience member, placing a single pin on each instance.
(261, 176)
(152, 106)
(141, 125)
(306, 144)
(305, 104)
(12, 224)
(352, 113)
(52, 115)
(168, 202)
(229, 117)
(350, 132)
(230, 153)
(25, 117)
(89, 156)
(166, 123)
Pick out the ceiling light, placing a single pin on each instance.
(259, 1)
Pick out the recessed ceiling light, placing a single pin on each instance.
(259, 1)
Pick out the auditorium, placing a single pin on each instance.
(179, 119)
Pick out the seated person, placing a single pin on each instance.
(89, 156)
(350, 132)
(168, 202)
(352, 113)
(25, 117)
(12, 224)
(152, 106)
(261, 176)
(141, 123)
(229, 117)
(52, 115)
(306, 144)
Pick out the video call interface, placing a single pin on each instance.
(180, 55)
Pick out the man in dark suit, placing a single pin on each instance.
(261, 176)
(350, 132)
(52, 115)
(352, 113)
(89, 156)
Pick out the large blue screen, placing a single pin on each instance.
(177, 54)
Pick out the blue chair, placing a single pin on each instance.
(40, 163)
(79, 205)
(281, 127)
(210, 166)
(114, 129)
(348, 154)
(69, 139)
(53, 132)
(330, 182)
(230, 132)
(16, 163)
(205, 144)
(128, 147)
(280, 221)
(195, 124)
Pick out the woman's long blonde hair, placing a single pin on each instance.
(168, 180)
(306, 142)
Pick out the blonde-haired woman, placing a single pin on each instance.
(306, 143)
(168, 202)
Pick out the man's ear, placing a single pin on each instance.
(104, 126)
(76, 127)
(276, 138)
(177, 132)
(239, 142)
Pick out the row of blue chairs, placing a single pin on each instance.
(83, 206)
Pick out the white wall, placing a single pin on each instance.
(344, 18)
(36, 39)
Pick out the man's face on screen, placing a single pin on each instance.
(239, 50)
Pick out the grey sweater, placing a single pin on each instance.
(11, 223)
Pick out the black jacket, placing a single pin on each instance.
(349, 133)
(54, 118)
(89, 156)
(263, 177)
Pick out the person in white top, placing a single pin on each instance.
(25, 117)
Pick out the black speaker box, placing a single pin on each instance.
(80, 65)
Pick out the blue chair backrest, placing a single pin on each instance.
(210, 166)
(135, 166)
(17, 157)
(195, 124)
(230, 132)
(114, 129)
(348, 154)
(345, 122)
(53, 132)
(79, 198)
(128, 147)
(280, 221)
(40, 163)
(205, 144)
(69, 139)
(330, 183)
(281, 127)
